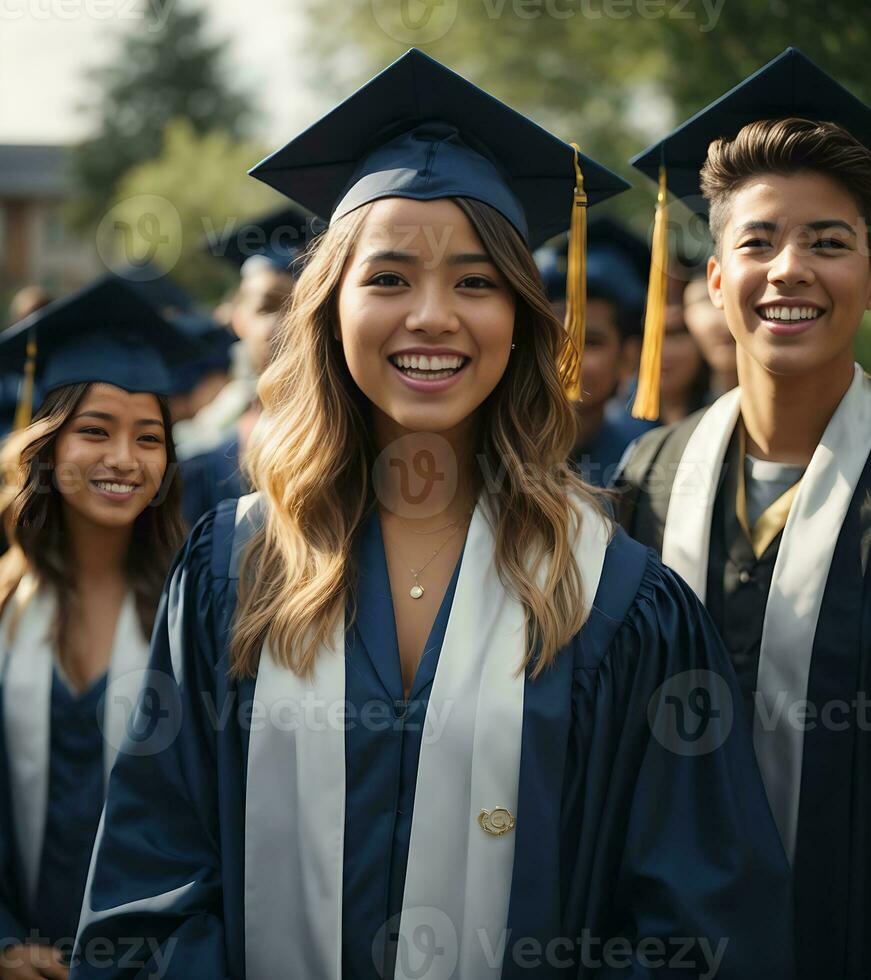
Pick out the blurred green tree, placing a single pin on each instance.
(163, 214)
(166, 68)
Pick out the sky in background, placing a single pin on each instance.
(46, 46)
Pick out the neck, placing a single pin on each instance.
(425, 476)
(785, 416)
(723, 381)
(96, 552)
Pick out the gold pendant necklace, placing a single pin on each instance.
(417, 590)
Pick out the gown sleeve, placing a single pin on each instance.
(153, 904)
(687, 862)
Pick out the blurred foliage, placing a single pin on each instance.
(613, 75)
(166, 68)
(164, 213)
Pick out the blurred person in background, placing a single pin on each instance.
(615, 304)
(685, 377)
(213, 441)
(709, 329)
(94, 520)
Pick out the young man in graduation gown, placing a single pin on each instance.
(762, 502)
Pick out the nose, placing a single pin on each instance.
(791, 266)
(432, 311)
(120, 456)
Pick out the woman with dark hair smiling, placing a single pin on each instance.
(94, 522)
(414, 722)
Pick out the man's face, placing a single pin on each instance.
(793, 274)
(257, 310)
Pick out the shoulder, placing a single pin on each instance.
(656, 444)
(646, 475)
(644, 610)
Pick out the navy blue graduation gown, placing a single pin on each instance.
(617, 835)
(210, 477)
(75, 801)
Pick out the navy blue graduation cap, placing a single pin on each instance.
(279, 237)
(156, 287)
(790, 85)
(419, 130)
(105, 332)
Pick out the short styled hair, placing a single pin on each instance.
(784, 146)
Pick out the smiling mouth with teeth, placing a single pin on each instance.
(423, 368)
(110, 487)
(782, 314)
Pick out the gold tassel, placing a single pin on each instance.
(24, 410)
(576, 287)
(646, 404)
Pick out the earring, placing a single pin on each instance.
(513, 346)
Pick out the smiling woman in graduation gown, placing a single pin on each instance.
(585, 809)
(78, 538)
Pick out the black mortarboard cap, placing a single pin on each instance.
(105, 332)
(156, 287)
(789, 85)
(421, 131)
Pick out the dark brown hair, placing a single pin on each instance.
(784, 146)
(34, 522)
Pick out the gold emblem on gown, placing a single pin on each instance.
(497, 821)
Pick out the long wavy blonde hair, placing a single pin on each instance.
(313, 452)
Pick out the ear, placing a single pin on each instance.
(715, 282)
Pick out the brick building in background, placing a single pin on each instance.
(36, 245)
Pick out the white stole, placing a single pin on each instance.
(800, 571)
(28, 663)
(458, 879)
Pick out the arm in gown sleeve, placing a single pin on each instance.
(702, 869)
(153, 905)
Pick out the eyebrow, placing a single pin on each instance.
(470, 258)
(391, 256)
(820, 225)
(107, 417)
(410, 258)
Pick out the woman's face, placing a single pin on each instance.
(425, 316)
(110, 456)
